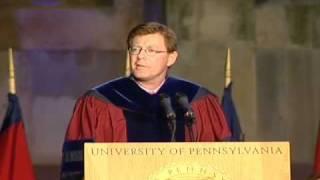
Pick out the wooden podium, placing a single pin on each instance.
(187, 161)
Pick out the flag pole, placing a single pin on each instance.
(228, 69)
(12, 83)
(127, 70)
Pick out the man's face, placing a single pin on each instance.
(150, 64)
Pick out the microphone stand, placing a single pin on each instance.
(172, 123)
(170, 115)
(190, 119)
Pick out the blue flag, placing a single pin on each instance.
(231, 115)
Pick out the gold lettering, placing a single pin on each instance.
(265, 150)
(255, 151)
(216, 150)
(278, 151)
(232, 149)
(206, 151)
(94, 151)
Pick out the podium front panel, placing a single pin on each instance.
(188, 161)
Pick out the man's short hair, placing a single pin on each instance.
(152, 28)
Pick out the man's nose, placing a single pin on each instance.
(140, 52)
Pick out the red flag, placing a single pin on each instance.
(316, 167)
(15, 161)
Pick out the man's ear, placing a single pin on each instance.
(173, 56)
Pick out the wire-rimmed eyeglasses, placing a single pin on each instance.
(135, 50)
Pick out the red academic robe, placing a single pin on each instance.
(120, 111)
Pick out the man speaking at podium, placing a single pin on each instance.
(147, 106)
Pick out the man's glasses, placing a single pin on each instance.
(135, 50)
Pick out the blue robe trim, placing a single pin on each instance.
(73, 154)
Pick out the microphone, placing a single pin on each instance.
(165, 103)
(188, 113)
